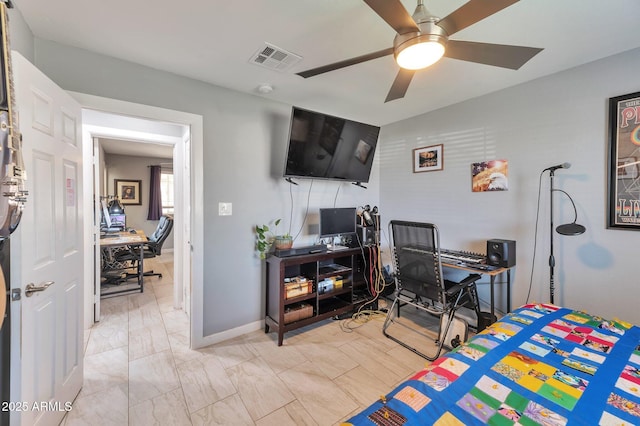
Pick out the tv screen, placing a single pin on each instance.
(327, 147)
(337, 221)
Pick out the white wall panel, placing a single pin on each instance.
(71, 217)
(42, 200)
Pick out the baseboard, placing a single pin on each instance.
(212, 339)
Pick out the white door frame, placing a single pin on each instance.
(195, 123)
(96, 160)
(182, 203)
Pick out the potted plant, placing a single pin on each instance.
(265, 238)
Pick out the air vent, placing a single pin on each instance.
(272, 57)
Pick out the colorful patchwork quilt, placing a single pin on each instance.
(540, 365)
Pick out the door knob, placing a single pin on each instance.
(32, 288)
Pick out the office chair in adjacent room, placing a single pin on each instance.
(151, 249)
(420, 283)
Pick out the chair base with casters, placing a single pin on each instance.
(420, 284)
(133, 258)
(114, 270)
(132, 275)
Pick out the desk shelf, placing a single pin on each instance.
(336, 292)
(298, 299)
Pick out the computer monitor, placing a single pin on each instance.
(110, 223)
(118, 220)
(106, 217)
(337, 221)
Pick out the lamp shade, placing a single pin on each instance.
(115, 207)
(571, 229)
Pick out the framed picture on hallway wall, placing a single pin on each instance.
(128, 191)
(624, 152)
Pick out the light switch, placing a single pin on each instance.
(224, 209)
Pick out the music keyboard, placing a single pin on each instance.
(457, 256)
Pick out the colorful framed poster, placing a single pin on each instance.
(490, 176)
(624, 150)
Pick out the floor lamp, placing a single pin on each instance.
(572, 228)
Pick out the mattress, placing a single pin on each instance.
(540, 365)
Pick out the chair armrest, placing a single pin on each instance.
(151, 247)
(471, 279)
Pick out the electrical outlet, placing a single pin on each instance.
(224, 209)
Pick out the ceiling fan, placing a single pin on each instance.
(422, 39)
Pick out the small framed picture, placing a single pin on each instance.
(128, 191)
(428, 159)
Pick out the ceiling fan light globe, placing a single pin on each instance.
(420, 55)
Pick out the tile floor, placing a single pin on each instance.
(139, 369)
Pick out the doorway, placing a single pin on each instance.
(124, 148)
(189, 224)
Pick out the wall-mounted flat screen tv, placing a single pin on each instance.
(327, 147)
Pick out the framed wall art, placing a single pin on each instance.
(128, 191)
(624, 150)
(490, 176)
(428, 159)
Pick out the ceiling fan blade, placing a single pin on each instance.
(347, 62)
(498, 55)
(400, 84)
(394, 13)
(472, 12)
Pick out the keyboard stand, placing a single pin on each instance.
(492, 276)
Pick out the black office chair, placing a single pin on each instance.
(151, 249)
(420, 283)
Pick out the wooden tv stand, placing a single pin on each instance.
(286, 314)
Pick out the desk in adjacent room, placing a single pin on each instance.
(125, 239)
(493, 273)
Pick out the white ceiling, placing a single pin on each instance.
(214, 40)
(136, 149)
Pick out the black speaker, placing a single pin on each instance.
(501, 253)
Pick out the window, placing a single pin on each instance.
(166, 189)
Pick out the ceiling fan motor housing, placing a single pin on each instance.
(429, 31)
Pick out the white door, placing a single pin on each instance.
(47, 247)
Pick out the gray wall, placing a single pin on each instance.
(135, 168)
(245, 139)
(552, 120)
(560, 118)
(21, 37)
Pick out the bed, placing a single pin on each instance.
(541, 364)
